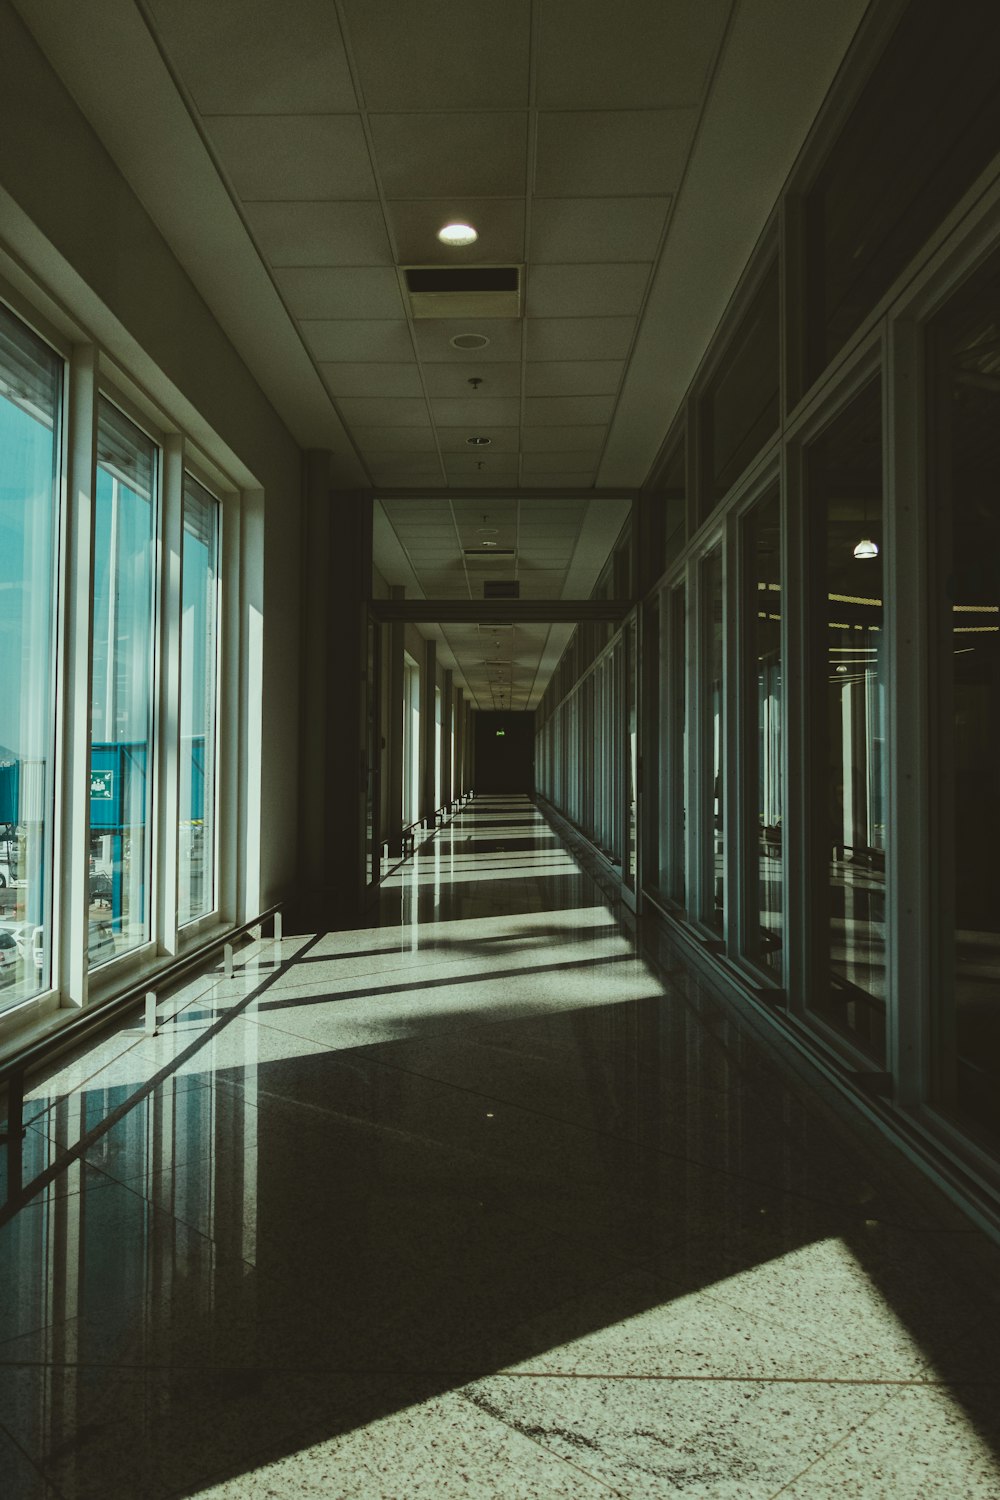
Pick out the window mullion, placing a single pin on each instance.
(165, 812)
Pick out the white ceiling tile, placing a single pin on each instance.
(586, 291)
(471, 53)
(441, 155)
(555, 463)
(372, 379)
(320, 234)
(499, 221)
(475, 412)
(381, 411)
(433, 336)
(635, 54)
(468, 463)
(604, 154)
(564, 230)
(502, 439)
(562, 440)
(563, 377)
(568, 411)
(343, 339)
(579, 338)
(281, 158)
(270, 57)
(340, 291)
(453, 380)
(573, 480)
(395, 440)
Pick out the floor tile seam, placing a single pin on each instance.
(30, 1460)
(840, 1442)
(531, 1437)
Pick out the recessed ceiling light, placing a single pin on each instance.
(469, 341)
(458, 234)
(479, 442)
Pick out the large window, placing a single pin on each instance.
(30, 405)
(965, 528)
(713, 730)
(847, 673)
(199, 659)
(763, 800)
(121, 696)
(739, 412)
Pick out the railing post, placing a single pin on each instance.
(150, 1012)
(227, 955)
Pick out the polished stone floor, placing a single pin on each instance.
(478, 1202)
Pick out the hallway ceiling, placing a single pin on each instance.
(296, 153)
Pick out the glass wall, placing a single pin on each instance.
(82, 533)
(713, 731)
(121, 695)
(763, 800)
(847, 665)
(31, 382)
(198, 697)
(739, 411)
(964, 486)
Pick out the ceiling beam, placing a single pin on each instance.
(498, 611)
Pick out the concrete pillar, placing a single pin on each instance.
(394, 729)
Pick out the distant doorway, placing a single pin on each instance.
(505, 752)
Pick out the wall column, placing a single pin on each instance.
(337, 534)
(447, 720)
(394, 730)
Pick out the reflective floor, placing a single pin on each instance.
(477, 1202)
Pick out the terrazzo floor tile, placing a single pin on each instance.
(923, 1443)
(702, 1439)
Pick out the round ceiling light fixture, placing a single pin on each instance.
(458, 234)
(479, 442)
(866, 549)
(469, 341)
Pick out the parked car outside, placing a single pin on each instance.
(10, 957)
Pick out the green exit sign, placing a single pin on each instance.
(501, 733)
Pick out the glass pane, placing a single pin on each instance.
(631, 751)
(672, 877)
(121, 686)
(899, 166)
(651, 762)
(713, 729)
(740, 409)
(966, 535)
(762, 792)
(844, 488)
(30, 409)
(199, 656)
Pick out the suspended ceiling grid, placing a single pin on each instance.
(555, 548)
(294, 152)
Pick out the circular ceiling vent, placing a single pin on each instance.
(469, 341)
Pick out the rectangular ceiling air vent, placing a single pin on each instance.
(463, 291)
(488, 555)
(501, 588)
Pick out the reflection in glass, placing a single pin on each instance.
(844, 486)
(672, 876)
(713, 730)
(199, 655)
(651, 748)
(762, 755)
(121, 686)
(966, 534)
(30, 410)
(631, 751)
